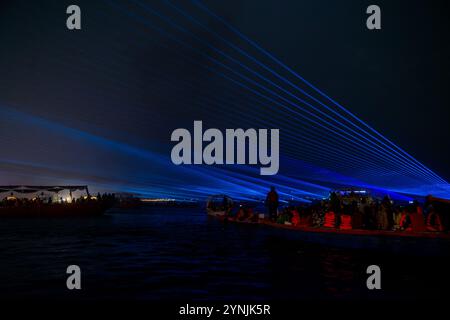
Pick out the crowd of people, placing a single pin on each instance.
(12, 201)
(354, 212)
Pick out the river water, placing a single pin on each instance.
(181, 254)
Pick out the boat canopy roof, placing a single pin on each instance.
(32, 189)
(218, 196)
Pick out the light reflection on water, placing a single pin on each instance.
(182, 254)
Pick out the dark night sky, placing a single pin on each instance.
(396, 80)
(116, 80)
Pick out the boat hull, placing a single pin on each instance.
(423, 243)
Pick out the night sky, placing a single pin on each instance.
(97, 106)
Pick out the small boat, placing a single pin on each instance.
(219, 205)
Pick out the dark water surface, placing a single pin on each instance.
(182, 254)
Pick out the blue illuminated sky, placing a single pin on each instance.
(97, 106)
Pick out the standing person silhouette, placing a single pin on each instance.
(272, 203)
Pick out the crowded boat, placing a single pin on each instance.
(35, 201)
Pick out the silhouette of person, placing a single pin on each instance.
(272, 203)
